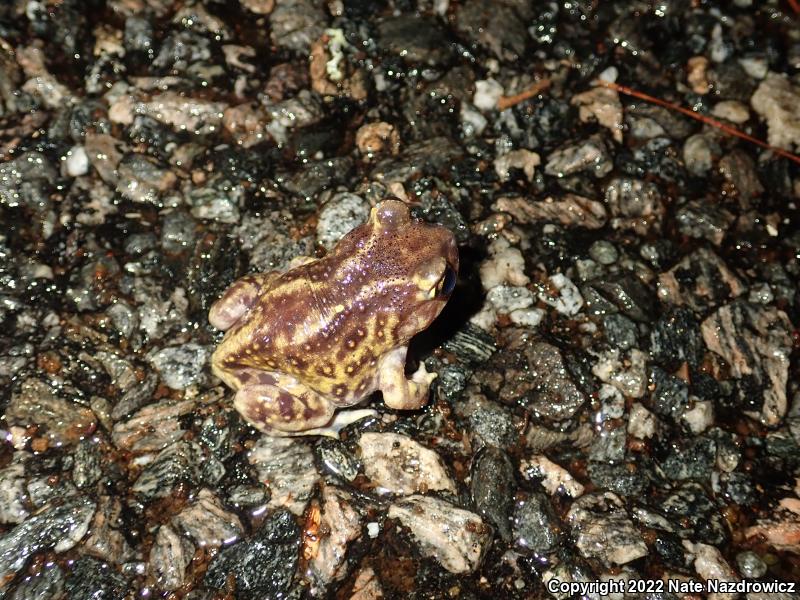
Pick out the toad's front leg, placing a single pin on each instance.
(398, 392)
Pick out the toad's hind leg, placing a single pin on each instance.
(238, 299)
(291, 410)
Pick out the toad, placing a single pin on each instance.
(328, 333)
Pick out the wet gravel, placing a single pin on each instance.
(617, 394)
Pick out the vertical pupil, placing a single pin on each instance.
(448, 282)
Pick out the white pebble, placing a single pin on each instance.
(77, 162)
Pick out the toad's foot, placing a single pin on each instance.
(401, 393)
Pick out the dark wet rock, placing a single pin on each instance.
(451, 382)
(456, 538)
(91, 578)
(649, 121)
(738, 487)
(675, 337)
(750, 565)
(700, 280)
(668, 547)
(625, 479)
(500, 27)
(492, 423)
(535, 525)
(317, 176)
(181, 461)
(694, 513)
(427, 157)
(263, 565)
(536, 378)
(416, 39)
(633, 203)
(106, 541)
(609, 446)
(59, 527)
(26, 180)
(629, 294)
(692, 460)
(756, 344)
(181, 366)
(218, 201)
(491, 488)
(670, 396)
(268, 241)
(740, 170)
(471, 345)
(602, 529)
(48, 583)
(620, 331)
(60, 420)
(335, 458)
(244, 497)
(339, 215)
(138, 36)
(699, 152)
(702, 219)
(88, 463)
(295, 24)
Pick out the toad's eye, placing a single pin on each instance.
(447, 283)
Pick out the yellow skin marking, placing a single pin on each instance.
(327, 333)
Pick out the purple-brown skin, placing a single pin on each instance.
(328, 333)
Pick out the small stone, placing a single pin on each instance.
(181, 366)
(603, 252)
(601, 104)
(536, 527)
(286, 467)
(591, 156)
(77, 162)
(492, 488)
(505, 265)
(750, 565)
(567, 298)
(602, 529)
(554, 478)
(169, 557)
(700, 417)
(61, 421)
(732, 111)
(641, 422)
(59, 527)
(207, 522)
(338, 216)
(454, 537)
(396, 464)
(377, 138)
(776, 99)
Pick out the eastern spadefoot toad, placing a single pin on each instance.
(327, 333)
